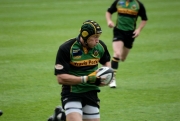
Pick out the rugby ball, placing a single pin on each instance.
(106, 74)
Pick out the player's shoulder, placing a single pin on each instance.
(68, 43)
(102, 43)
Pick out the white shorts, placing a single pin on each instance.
(87, 112)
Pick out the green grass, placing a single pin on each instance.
(31, 32)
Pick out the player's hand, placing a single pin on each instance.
(92, 79)
(136, 33)
(110, 24)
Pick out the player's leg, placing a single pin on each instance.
(128, 44)
(124, 54)
(118, 45)
(91, 113)
(73, 111)
(118, 52)
(122, 43)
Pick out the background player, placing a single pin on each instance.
(125, 31)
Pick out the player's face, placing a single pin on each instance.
(93, 40)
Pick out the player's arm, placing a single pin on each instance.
(109, 20)
(109, 13)
(142, 14)
(105, 59)
(140, 27)
(62, 66)
(67, 79)
(108, 64)
(142, 24)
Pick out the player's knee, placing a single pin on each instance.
(117, 55)
(122, 58)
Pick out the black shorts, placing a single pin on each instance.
(86, 98)
(125, 36)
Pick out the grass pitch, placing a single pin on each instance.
(31, 32)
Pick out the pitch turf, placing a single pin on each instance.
(31, 32)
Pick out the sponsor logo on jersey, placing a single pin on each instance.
(95, 53)
(59, 67)
(127, 11)
(121, 3)
(134, 7)
(76, 53)
(76, 57)
(90, 62)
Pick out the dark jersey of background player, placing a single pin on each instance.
(127, 15)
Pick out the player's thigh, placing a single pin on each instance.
(91, 113)
(118, 47)
(73, 111)
(74, 117)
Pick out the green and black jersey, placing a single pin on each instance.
(128, 13)
(72, 58)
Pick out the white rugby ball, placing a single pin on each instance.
(106, 74)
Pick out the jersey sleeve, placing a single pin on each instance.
(62, 60)
(106, 56)
(142, 12)
(112, 9)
